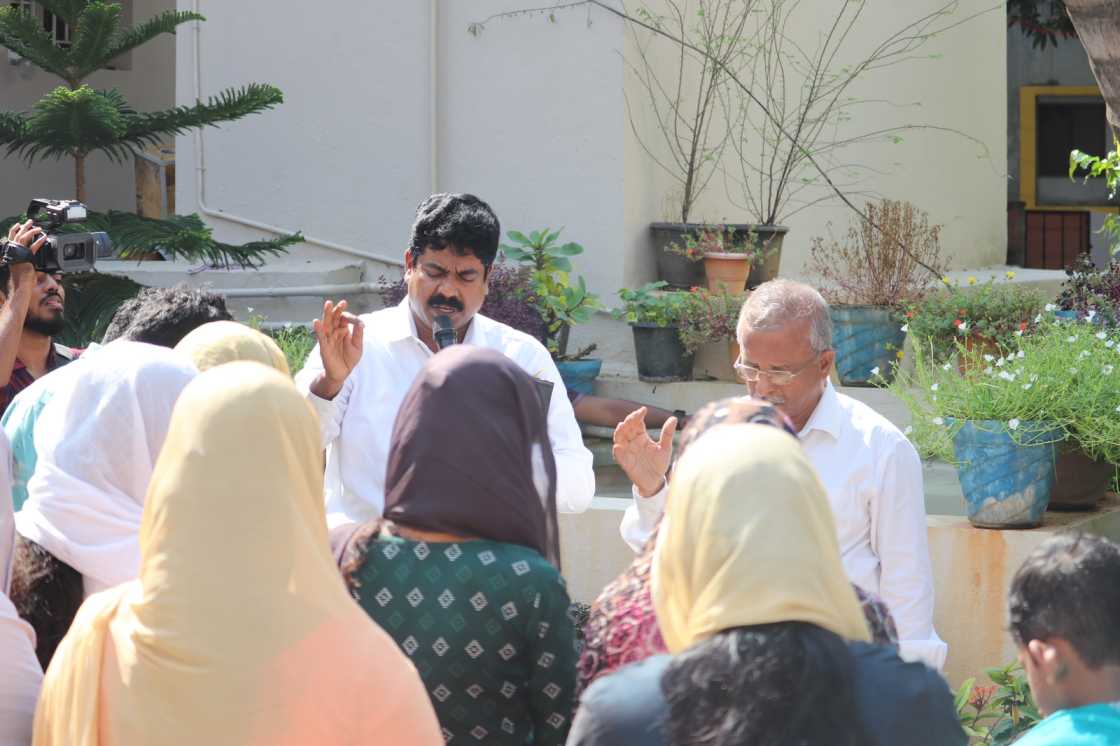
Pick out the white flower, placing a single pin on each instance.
(1092, 313)
(1038, 319)
(1109, 344)
(946, 366)
(1006, 376)
(989, 358)
(935, 387)
(1118, 408)
(287, 325)
(963, 328)
(1018, 332)
(1107, 370)
(1013, 423)
(1001, 362)
(939, 421)
(1034, 377)
(1027, 386)
(1073, 371)
(1101, 335)
(250, 309)
(1049, 307)
(1084, 353)
(908, 430)
(1020, 354)
(1071, 338)
(905, 328)
(988, 370)
(875, 371)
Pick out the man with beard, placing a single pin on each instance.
(358, 374)
(31, 315)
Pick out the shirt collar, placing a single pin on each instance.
(52, 360)
(827, 415)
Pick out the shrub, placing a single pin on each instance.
(708, 317)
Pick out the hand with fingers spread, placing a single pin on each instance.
(340, 337)
(644, 461)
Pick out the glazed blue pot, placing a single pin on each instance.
(865, 338)
(579, 375)
(1006, 484)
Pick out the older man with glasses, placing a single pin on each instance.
(871, 472)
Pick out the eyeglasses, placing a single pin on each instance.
(751, 374)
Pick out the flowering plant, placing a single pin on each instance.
(708, 317)
(1092, 292)
(997, 714)
(724, 239)
(1066, 375)
(995, 312)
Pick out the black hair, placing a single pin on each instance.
(163, 316)
(764, 685)
(1069, 587)
(46, 593)
(460, 221)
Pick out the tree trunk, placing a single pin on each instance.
(1098, 26)
(80, 177)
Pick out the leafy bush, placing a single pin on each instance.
(708, 317)
(998, 312)
(878, 262)
(1091, 292)
(999, 714)
(648, 306)
(296, 342)
(723, 240)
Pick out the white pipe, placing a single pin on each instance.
(200, 177)
(433, 94)
(304, 291)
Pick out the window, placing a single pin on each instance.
(60, 31)
(1065, 125)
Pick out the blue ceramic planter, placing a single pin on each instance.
(579, 375)
(1006, 484)
(865, 338)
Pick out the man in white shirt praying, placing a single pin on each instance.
(871, 472)
(361, 368)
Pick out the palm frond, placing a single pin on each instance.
(96, 28)
(164, 23)
(91, 300)
(69, 11)
(227, 106)
(12, 127)
(184, 237)
(22, 33)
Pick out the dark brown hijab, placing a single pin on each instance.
(470, 453)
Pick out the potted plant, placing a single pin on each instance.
(997, 714)
(987, 317)
(708, 321)
(868, 278)
(655, 316)
(1091, 293)
(560, 302)
(999, 427)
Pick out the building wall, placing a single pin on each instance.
(148, 85)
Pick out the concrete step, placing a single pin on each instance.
(277, 293)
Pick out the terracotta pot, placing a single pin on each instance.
(727, 271)
(976, 345)
(1080, 482)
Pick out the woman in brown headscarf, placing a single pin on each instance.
(621, 626)
(463, 569)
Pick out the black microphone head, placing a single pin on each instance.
(443, 331)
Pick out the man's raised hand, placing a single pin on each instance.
(644, 461)
(340, 337)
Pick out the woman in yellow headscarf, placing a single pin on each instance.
(239, 629)
(219, 342)
(768, 640)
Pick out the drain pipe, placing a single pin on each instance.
(304, 291)
(200, 176)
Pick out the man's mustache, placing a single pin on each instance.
(439, 300)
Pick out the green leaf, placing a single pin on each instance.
(68, 10)
(963, 693)
(519, 237)
(66, 122)
(22, 33)
(535, 238)
(95, 30)
(228, 106)
(514, 254)
(164, 23)
(562, 265)
(569, 249)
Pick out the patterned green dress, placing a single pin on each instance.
(486, 625)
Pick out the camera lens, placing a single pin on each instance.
(73, 251)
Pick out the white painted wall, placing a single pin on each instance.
(149, 85)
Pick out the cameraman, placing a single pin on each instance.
(31, 314)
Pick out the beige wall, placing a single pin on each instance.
(149, 85)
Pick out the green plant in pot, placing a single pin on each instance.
(707, 331)
(986, 316)
(1000, 422)
(868, 278)
(999, 714)
(655, 315)
(561, 302)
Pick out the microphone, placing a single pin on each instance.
(443, 331)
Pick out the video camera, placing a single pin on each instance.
(62, 252)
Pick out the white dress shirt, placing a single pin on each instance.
(357, 425)
(873, 477)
